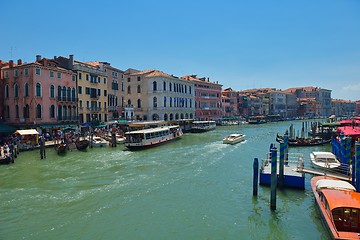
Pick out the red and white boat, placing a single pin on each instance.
(339, 206)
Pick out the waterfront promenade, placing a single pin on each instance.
(193, 188)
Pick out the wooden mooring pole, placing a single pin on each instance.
(281, 164)
(255, 177)
(273, 154)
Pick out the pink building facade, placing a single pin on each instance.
(207, 98)
(39, 93)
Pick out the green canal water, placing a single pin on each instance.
(193, 188)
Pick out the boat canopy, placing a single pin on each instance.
(334, 184)
(27, 132)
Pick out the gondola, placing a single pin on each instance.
(61, 148)
(82, 144)
(303, 142)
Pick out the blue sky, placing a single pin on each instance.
(240, 44)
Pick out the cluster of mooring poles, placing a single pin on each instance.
(274, 177)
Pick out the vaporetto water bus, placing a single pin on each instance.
(150, 137)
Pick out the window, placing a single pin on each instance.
(164, 86)
(26, 72)
(139, 103)
(74, 78)
(164, 101)
(155, 102)
(17, 111)
(138, 89)
(51, 73)
(99, 92)
(79, 90)
(138, 78)
(26, 89)
(16, 90)
(170, 87)
(104, 80)
(52, 111)
(52, 91)
(26, 111)
(38, 89)
(6, 74)
(38, 71)
(129, 79)
(87, 91)
(80, 76)
(170, 101)
(38, 111)
(73, 95)
(87, 77)
(59, 75)
(105, 93)
(59, 91)
(16, 73)
(154, 86)
(98, 80)
(129, 90)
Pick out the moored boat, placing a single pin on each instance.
(61, 148)
(98, 142)
(303, 142)
(82, 144)
(202, 126)
(339, 206)
(234, 138)
(324, 160)
(151, 137)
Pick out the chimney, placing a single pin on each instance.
(71, 61)
(19, 62)
(11, 63)
(38, 58)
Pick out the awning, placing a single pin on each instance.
(27, 132)
(100, 126)
(5, 128)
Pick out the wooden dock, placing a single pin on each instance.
(321, 172)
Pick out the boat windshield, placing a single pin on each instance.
(347, 219)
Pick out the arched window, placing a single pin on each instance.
(185, 89)
(164, 86)
(170, 86)
(59, 91)
(129, 90)
(155, 102)
(38, 111)
(52, 111)
(7, 91)
(69, 113)
(170, 101)
(73, 95)
(59, 112)
(164, 101)
(139, 103)
(16, 90)
(189, 90)
(129, 102)
(165, 117)
(176, 116)
(138, 89)
(171, 116)
(154, 86)
(52, 91)
(38, 89)
(68, 93)
(17, 111)
(26, 89)
(26, 112)
(191, 116)
(186, 116)
(63, 92)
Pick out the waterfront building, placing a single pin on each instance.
(343, 108)
(322, 97)
(39, 93)
(278, 103)
(92, 89)
(155, 95)
(357, 107)
(115, 87)
(207, 98)
(243, 104)
(229, 103)
(308, 107)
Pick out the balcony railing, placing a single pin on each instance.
(66, 99)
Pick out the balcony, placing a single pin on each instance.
(94, 96)
(67, 99)
(94, 109)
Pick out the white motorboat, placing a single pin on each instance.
(234, 138)
(98, 142)
(324, 160)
